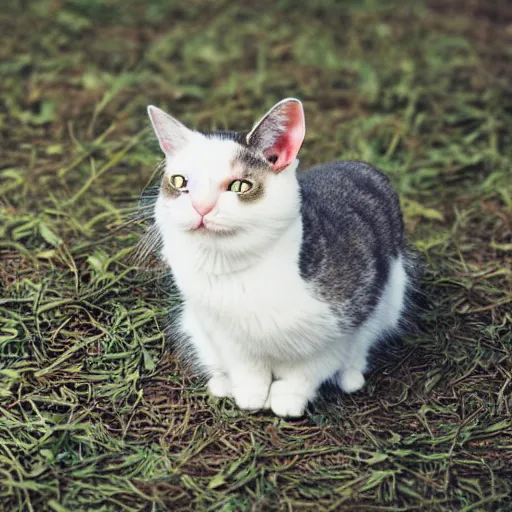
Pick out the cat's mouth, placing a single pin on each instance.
(199, 227)
(209, 227)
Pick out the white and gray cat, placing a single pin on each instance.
(287, 279)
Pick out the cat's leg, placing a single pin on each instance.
(208, 356)
(350, 377)
(250, 380)
(384, 319)
(230, 373)
(297, 383)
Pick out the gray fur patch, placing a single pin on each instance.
(254, 169)
(352, 229)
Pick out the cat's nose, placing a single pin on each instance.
(203, 207)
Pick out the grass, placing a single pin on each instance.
(96, 413)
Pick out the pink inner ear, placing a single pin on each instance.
(287, 145)
(165, 145)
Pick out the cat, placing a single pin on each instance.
(287, 278)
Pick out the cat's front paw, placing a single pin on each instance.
(219, 385)
(286, 400)
(251, 398)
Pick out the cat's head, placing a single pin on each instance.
(228, 185)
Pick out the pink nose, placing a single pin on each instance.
(203, 208)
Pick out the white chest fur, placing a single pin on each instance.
(264, 308)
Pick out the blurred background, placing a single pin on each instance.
(95, 411)
(400, 84)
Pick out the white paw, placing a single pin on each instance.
(286, 401)
(219, 385)
(351, 380)
(251, 398)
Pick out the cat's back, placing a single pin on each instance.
(352, 231)
(338, 187)
(344, 196)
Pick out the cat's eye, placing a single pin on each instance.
(178, 181)
(240, 186)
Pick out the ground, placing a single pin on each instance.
(96, 412)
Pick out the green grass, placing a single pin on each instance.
(96, 413)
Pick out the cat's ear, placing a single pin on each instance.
(170, 132)
(279, 133)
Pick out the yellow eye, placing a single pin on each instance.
(178, 181)
(240, 186)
